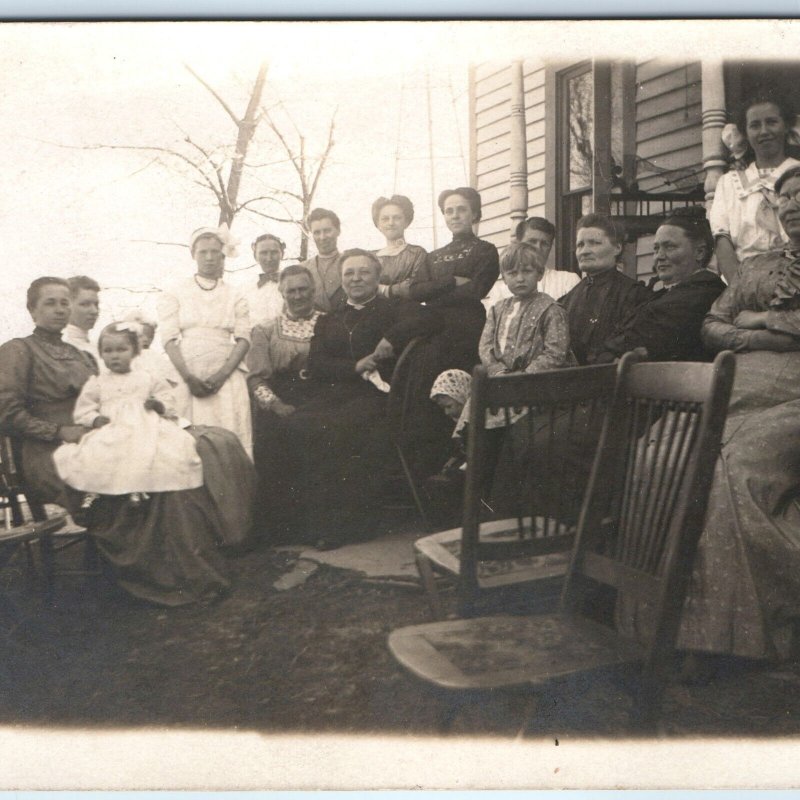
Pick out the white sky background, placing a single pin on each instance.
(69, 211)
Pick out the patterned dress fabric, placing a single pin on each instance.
(458, 305)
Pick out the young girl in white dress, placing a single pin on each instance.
(134, 447)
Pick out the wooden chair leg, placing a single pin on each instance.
(47, 554)
(413, 487)
(429, 585)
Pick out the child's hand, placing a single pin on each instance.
(71, 433)
(151, 404)
(100, 421)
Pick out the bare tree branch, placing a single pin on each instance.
(207, 183)
(168, 244)
(133, 290)
(269, 216)
(282, 139)
(247, 128)
(272, 198)
(325, 155)
(216, 96)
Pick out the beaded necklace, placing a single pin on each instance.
(206, 288)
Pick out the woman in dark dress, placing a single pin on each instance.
(164, 550)
(340, 439)
(455, 278)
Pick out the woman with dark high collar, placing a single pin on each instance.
(340, 439)
(604, 297)
(455, 278)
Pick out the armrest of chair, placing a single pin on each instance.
(32, 530)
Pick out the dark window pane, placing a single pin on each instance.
(581, 127)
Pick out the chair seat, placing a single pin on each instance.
(443, 550)
(507, 652)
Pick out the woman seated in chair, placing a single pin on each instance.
(279, 383)
(339, 440)
(744, 596)
(164, 550)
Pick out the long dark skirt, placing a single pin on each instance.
(324, 465)
(279, 497)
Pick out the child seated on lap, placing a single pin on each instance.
(134, 446)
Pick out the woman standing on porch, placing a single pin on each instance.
(455, 278)
(744, 218)
(400, 261)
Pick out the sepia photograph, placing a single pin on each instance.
(400, 405)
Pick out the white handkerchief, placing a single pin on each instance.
(374, 377)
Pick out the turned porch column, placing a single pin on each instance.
(714, 118)
(518, 187)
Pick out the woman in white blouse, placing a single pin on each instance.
(743, 217)
(205, 328)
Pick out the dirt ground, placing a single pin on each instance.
(311, 658)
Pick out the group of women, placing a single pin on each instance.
(312, 384)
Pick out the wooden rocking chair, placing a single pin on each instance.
(552, 445)
(48, 532)
(639, 528)
(398, 411)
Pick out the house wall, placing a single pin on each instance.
(668, 131)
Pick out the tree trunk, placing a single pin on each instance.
(247, 128)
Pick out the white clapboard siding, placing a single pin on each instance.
(668, 131)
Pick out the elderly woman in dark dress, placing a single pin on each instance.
(164, 551)
(456, 277)
(400, 261)
(605, 297)
(340, 438)
(279, 383)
